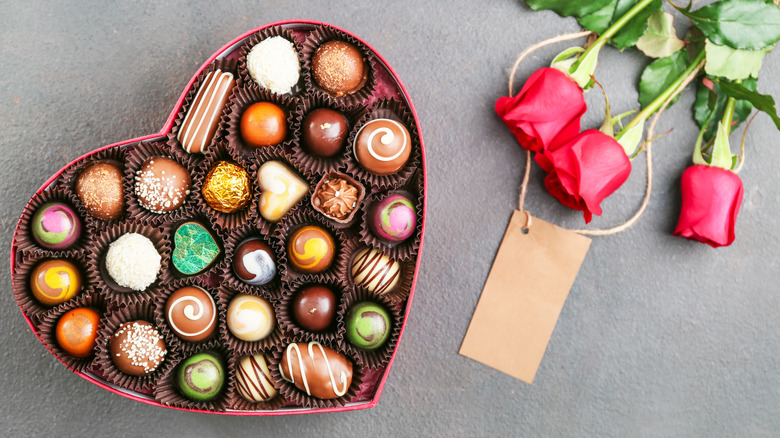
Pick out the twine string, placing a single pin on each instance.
(648, 143)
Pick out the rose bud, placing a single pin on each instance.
(585, 170)
(550, 105)
(711, 197)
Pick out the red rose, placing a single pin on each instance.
(549, 105)
(585, 170)
(711, 198)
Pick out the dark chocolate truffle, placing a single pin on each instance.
(382, 146)
(137, 348)
(316, 369)
(162, 185)
(254, 262)
(99, 187)
(263, 124)
(76, 332)
(311, 249)
(191, 313)
(201, 377)
(55, 281)
(339, 68)
(314, 308)
(324, 132)
(367, 325)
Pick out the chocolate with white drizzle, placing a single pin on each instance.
(202, 119)
(316, 369)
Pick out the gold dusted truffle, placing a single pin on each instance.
(227, 187)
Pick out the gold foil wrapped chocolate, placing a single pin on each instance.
(227, 187)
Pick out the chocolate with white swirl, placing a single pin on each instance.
(191, 313)
(382, 146)
(316, 369)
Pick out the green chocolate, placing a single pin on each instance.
(201, 377)
(195, 248)
(368, 325)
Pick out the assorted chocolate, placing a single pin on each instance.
(266, 317)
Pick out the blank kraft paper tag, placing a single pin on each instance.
(523, 296)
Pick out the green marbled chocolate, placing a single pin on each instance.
(201, 377)
(368, 325)
(195, 248)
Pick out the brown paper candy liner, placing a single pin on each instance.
(27, 243)
(166, 391)
(239, 235)
(169, 229)
(161, 320)
(242, 99)
(238, 346)
(67, 180)
(261, 35)
(238, 402)
(47, 329)
(295, 396)
(371, 359)
(21, 283)
(406, 249)
(133, 312)
(354, 214)
(322, 165)
(401, 291)
(97, 272)
(322, 35)
(266, 154)
(224, 222)
(298, 219)
(286, 317)
(135, 160)
(225, 65)
(394, 110)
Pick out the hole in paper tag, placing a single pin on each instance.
(531, 276)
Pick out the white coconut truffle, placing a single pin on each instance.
(132, 261)
(273, 63)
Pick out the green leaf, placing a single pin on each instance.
(714, 103)
(762, 102)
(660, 40)
(600, 20)
(660, 75)
(740, 24)
(567, 8)
(733, 64)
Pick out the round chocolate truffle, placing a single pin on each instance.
(311, 249)
(99, 187)
(162, 184)
(324, 132)
(76, 332)
(367, 325)
(254, 262)
(250, 318)
(55, 281)
(253, 379)
(394, 218)
(382, 146)
(227, 187)
(137, 348)
(263, 124)
(375, 271)
(56, 226)
(339, 68)
(132, 261)
(201, 377)
(314, 308)
(273, 63)
(191, 313)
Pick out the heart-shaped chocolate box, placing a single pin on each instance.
(381, 96)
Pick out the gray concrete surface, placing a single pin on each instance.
(659, 337)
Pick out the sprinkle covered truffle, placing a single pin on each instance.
(137, 348)
(162, 185)
(273, 63)
(132, 261)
